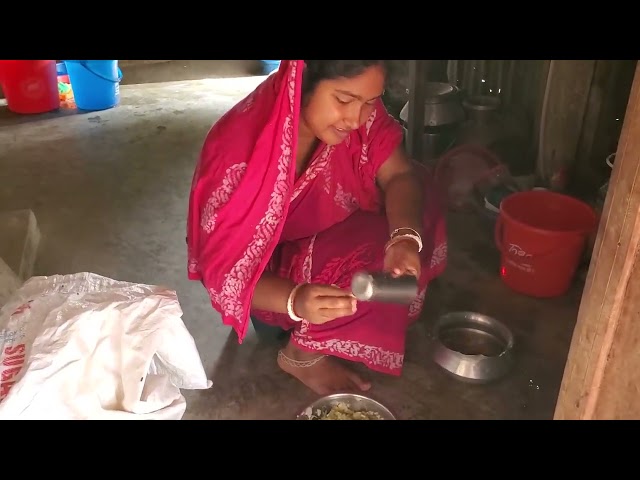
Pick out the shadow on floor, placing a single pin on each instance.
(110, 196)
(542, 329)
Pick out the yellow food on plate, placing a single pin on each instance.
(342, 411)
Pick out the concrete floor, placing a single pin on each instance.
(109, 190)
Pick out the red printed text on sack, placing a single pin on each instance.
(14, 357)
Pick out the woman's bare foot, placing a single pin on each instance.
(322, 375)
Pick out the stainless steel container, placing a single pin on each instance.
(443, 115)
(442, 106)
(473, 347)
(382, 287)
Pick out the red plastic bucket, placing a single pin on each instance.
(541, 236)
(30, 86)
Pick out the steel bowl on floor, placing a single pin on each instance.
(473, 347)
(367, 407)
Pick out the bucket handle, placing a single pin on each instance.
(118, 80)
(609, 159)
(497, 232)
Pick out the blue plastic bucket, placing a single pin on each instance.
(61, 68)
(95, 83)
(269, 66)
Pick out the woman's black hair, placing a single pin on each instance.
(317, 70)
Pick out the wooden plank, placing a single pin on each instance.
(569, 85)
(581, 170)
(602, 375)
(608, 98)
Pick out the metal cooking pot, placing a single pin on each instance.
(472, 347)
(442, 106)
(443, 114)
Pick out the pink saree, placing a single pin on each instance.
(248, 213)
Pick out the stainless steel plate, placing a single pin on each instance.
(353, 401)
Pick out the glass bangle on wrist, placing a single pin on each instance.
(397, 235)
(290, 300)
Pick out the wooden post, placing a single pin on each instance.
(602, 375)
(415, 117)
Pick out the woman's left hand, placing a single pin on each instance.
(403, 258)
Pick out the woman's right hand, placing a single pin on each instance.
(320, 304)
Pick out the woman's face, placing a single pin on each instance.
(337, 107)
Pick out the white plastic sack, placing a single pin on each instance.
(83, 346)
